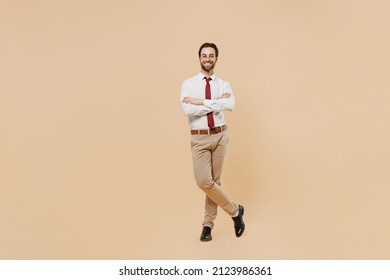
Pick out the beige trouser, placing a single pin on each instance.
(208, 152)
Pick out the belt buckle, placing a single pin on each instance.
(212, 129)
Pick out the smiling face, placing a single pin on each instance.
(208, 59)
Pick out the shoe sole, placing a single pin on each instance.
(206, 240)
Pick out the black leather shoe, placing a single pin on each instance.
(206, 234)
(239, 225)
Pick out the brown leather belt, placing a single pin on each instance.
(214, 130)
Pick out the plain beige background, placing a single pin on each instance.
(95, 154)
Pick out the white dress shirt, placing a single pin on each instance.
(197, 114)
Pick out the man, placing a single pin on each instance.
(204, 97)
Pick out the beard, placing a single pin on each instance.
(208, 68)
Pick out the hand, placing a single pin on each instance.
(191, 100)
(225, 95)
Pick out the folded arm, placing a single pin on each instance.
(200, 107)
(225, 102)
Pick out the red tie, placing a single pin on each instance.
(210, 117)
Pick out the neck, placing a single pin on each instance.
(207, 73)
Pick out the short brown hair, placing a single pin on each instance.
(209, 45)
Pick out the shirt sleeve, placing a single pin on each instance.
(190, 109)
(223, 104)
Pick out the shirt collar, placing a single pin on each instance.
(201, 76)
